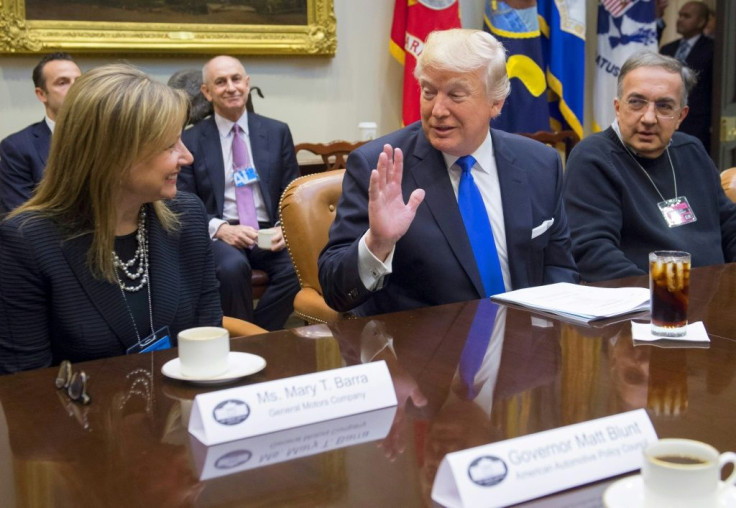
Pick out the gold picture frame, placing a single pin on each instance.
(316, 37)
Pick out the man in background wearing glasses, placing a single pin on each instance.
(640, 186)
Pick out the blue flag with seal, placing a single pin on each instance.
(545, 41)
(624, 27)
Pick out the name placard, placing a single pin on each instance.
(247, 411)
(291, 444)
(523, 468)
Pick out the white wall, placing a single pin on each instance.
(322, 99)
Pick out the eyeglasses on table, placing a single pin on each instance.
(74, 383)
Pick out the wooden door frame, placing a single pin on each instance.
(724, 82)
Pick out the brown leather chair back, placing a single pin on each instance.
(307, 210)
(240, 328)
(728, 182)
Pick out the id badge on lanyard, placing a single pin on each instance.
(677, 211)
(159, 340)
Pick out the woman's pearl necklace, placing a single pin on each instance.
(140, 258)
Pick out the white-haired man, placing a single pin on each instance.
(454, 210)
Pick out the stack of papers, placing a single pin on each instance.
(579, 303)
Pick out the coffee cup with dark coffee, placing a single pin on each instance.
(683, 472)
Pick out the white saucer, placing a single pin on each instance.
(238, 365)
(629, 493)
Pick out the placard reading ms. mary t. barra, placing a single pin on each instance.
(245, 411)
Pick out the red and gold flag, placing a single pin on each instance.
(413, 21)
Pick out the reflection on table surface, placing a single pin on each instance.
(465, 374)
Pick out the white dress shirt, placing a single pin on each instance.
(51, 123)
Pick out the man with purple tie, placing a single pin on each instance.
(453, 210)
(242, 164)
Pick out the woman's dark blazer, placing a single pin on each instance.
(53, 309)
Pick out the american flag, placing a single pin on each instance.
(615, 7)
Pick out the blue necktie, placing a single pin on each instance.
(682, 51)
(476, 346)
(478, 227)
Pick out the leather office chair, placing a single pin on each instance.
(334, 155)
(728, 182)
(561, 140)
(240, 328)
(259, 278)
(307, 210)
(259, 283)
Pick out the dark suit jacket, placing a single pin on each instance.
(53, 309)
(22, 160)
(700, 59)
(273, 156)
(433, 262)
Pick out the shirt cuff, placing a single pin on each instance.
(213, 226)
(372, 270)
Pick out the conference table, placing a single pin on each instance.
(130, 446)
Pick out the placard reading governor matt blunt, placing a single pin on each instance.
(523, 468)
(612, 442)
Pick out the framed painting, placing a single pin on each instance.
(256, 27)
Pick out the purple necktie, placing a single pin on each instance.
(243, 193)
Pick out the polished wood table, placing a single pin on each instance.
(130, 446)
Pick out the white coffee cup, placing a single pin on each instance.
(203, 351)
(682, 472)
(367, 130)
(264, 238)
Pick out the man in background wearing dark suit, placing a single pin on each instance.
(23, 154)
(454, 211)
(695, 50)
(242, 164)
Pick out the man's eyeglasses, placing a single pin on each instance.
(663, 109)
(74, 383)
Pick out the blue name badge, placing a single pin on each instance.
(158, 341)
(245, 176)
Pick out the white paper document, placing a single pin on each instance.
(579, 303)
